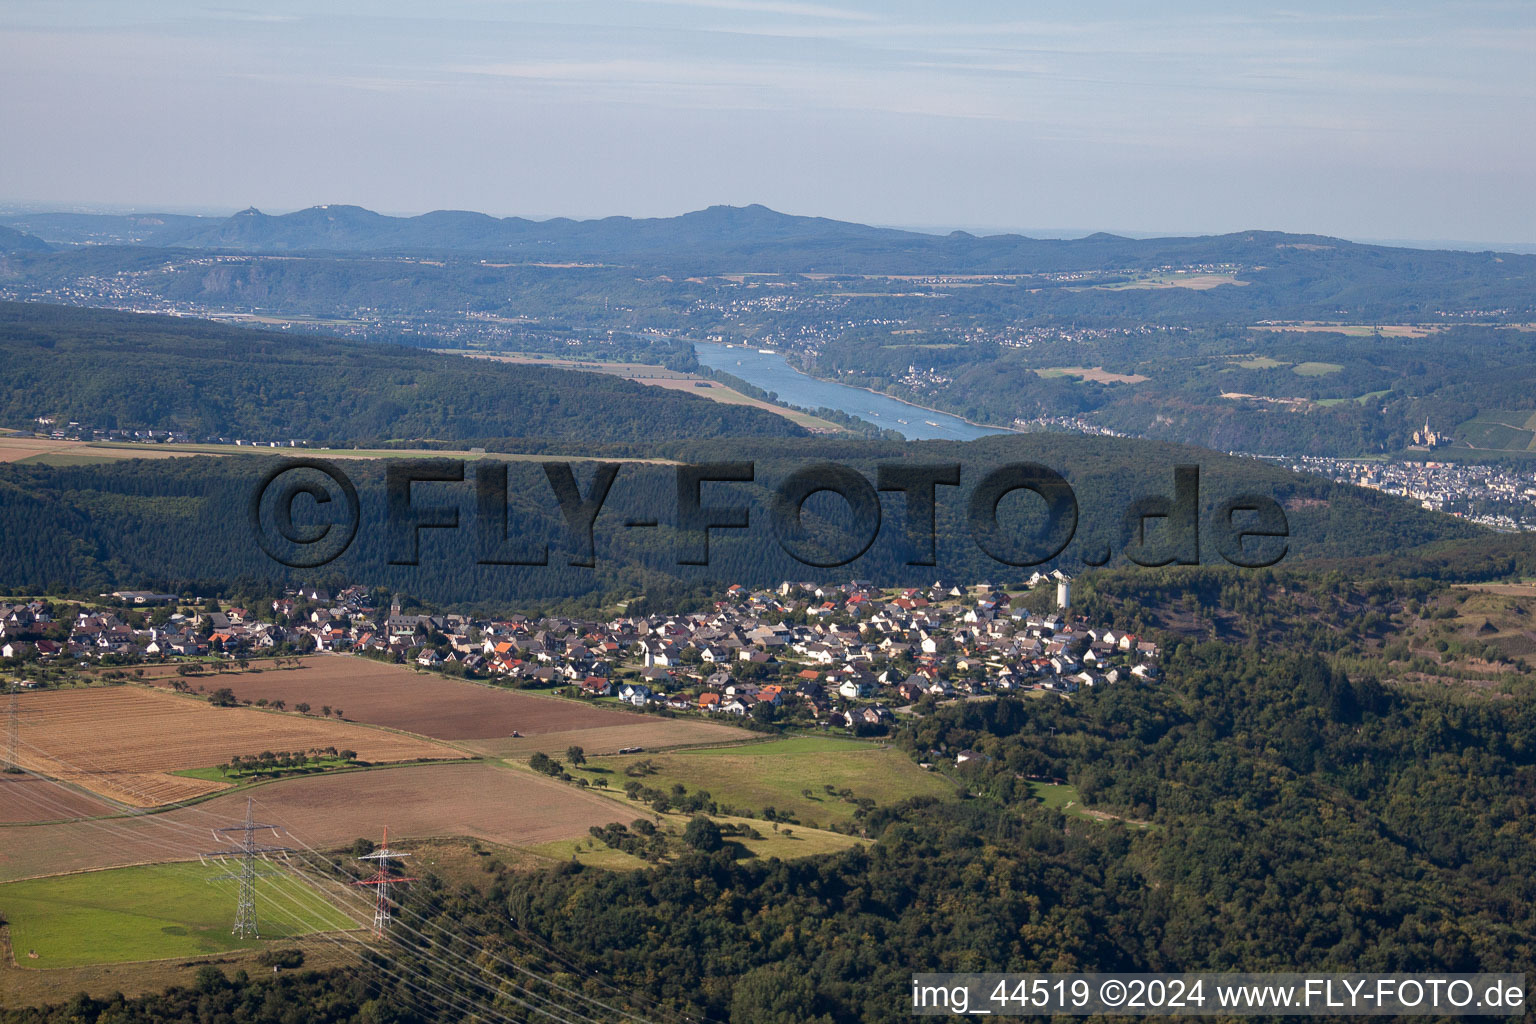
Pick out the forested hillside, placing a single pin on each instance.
(1264, 811)
(114, 371)
(1274, 391)
(12, 240)
(173, 523)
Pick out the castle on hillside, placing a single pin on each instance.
(1427, 438)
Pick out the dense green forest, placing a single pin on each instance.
(114, 371)
(183, 522)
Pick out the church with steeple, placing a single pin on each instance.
(1427, 438)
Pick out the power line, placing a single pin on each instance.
(442, 996)
(247, 849)
(13, 728)
(453, 964)
(382, 881)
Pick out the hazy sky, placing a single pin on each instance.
(1380, 120)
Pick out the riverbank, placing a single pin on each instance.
(772, 372)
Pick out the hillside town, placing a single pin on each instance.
(849, 655)
(1499, 497)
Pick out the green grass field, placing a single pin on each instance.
(1369, 396)
(589, 852)
(791, 841)
(1065, 798)
(1316, 369)
(1057, 796)
(777, 774)
(787, 842)
(1501, 430)
(153, 912)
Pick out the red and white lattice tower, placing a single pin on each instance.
(383, 880)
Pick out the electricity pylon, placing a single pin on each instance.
(248, 850)
(382, 881)
(13, 730)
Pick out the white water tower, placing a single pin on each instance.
(1063, 594)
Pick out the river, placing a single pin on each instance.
(771, 372)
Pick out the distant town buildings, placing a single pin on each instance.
(845, 655)
(1503, 498)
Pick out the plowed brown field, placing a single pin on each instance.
(499, 805)
(125, 742)
(29, 798)
(449, 709)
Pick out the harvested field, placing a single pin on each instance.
(498, 805)
(1096, 374)
(630, 370)
(28, 798)
(1354, 330)
(124, 742)
(16, 449)
(1196, 282)
(717, 392)
(69, 453)
(450, 709)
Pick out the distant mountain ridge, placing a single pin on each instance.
(12, 240)
(745, 238)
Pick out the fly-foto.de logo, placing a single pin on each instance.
(305, 513)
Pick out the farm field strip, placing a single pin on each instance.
(649, 733)
(27, 798)
(419, 801)
(124, 742)
(717, 392)
(22, 449)
(1097, 374)
(480, 716)
(57, 452)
